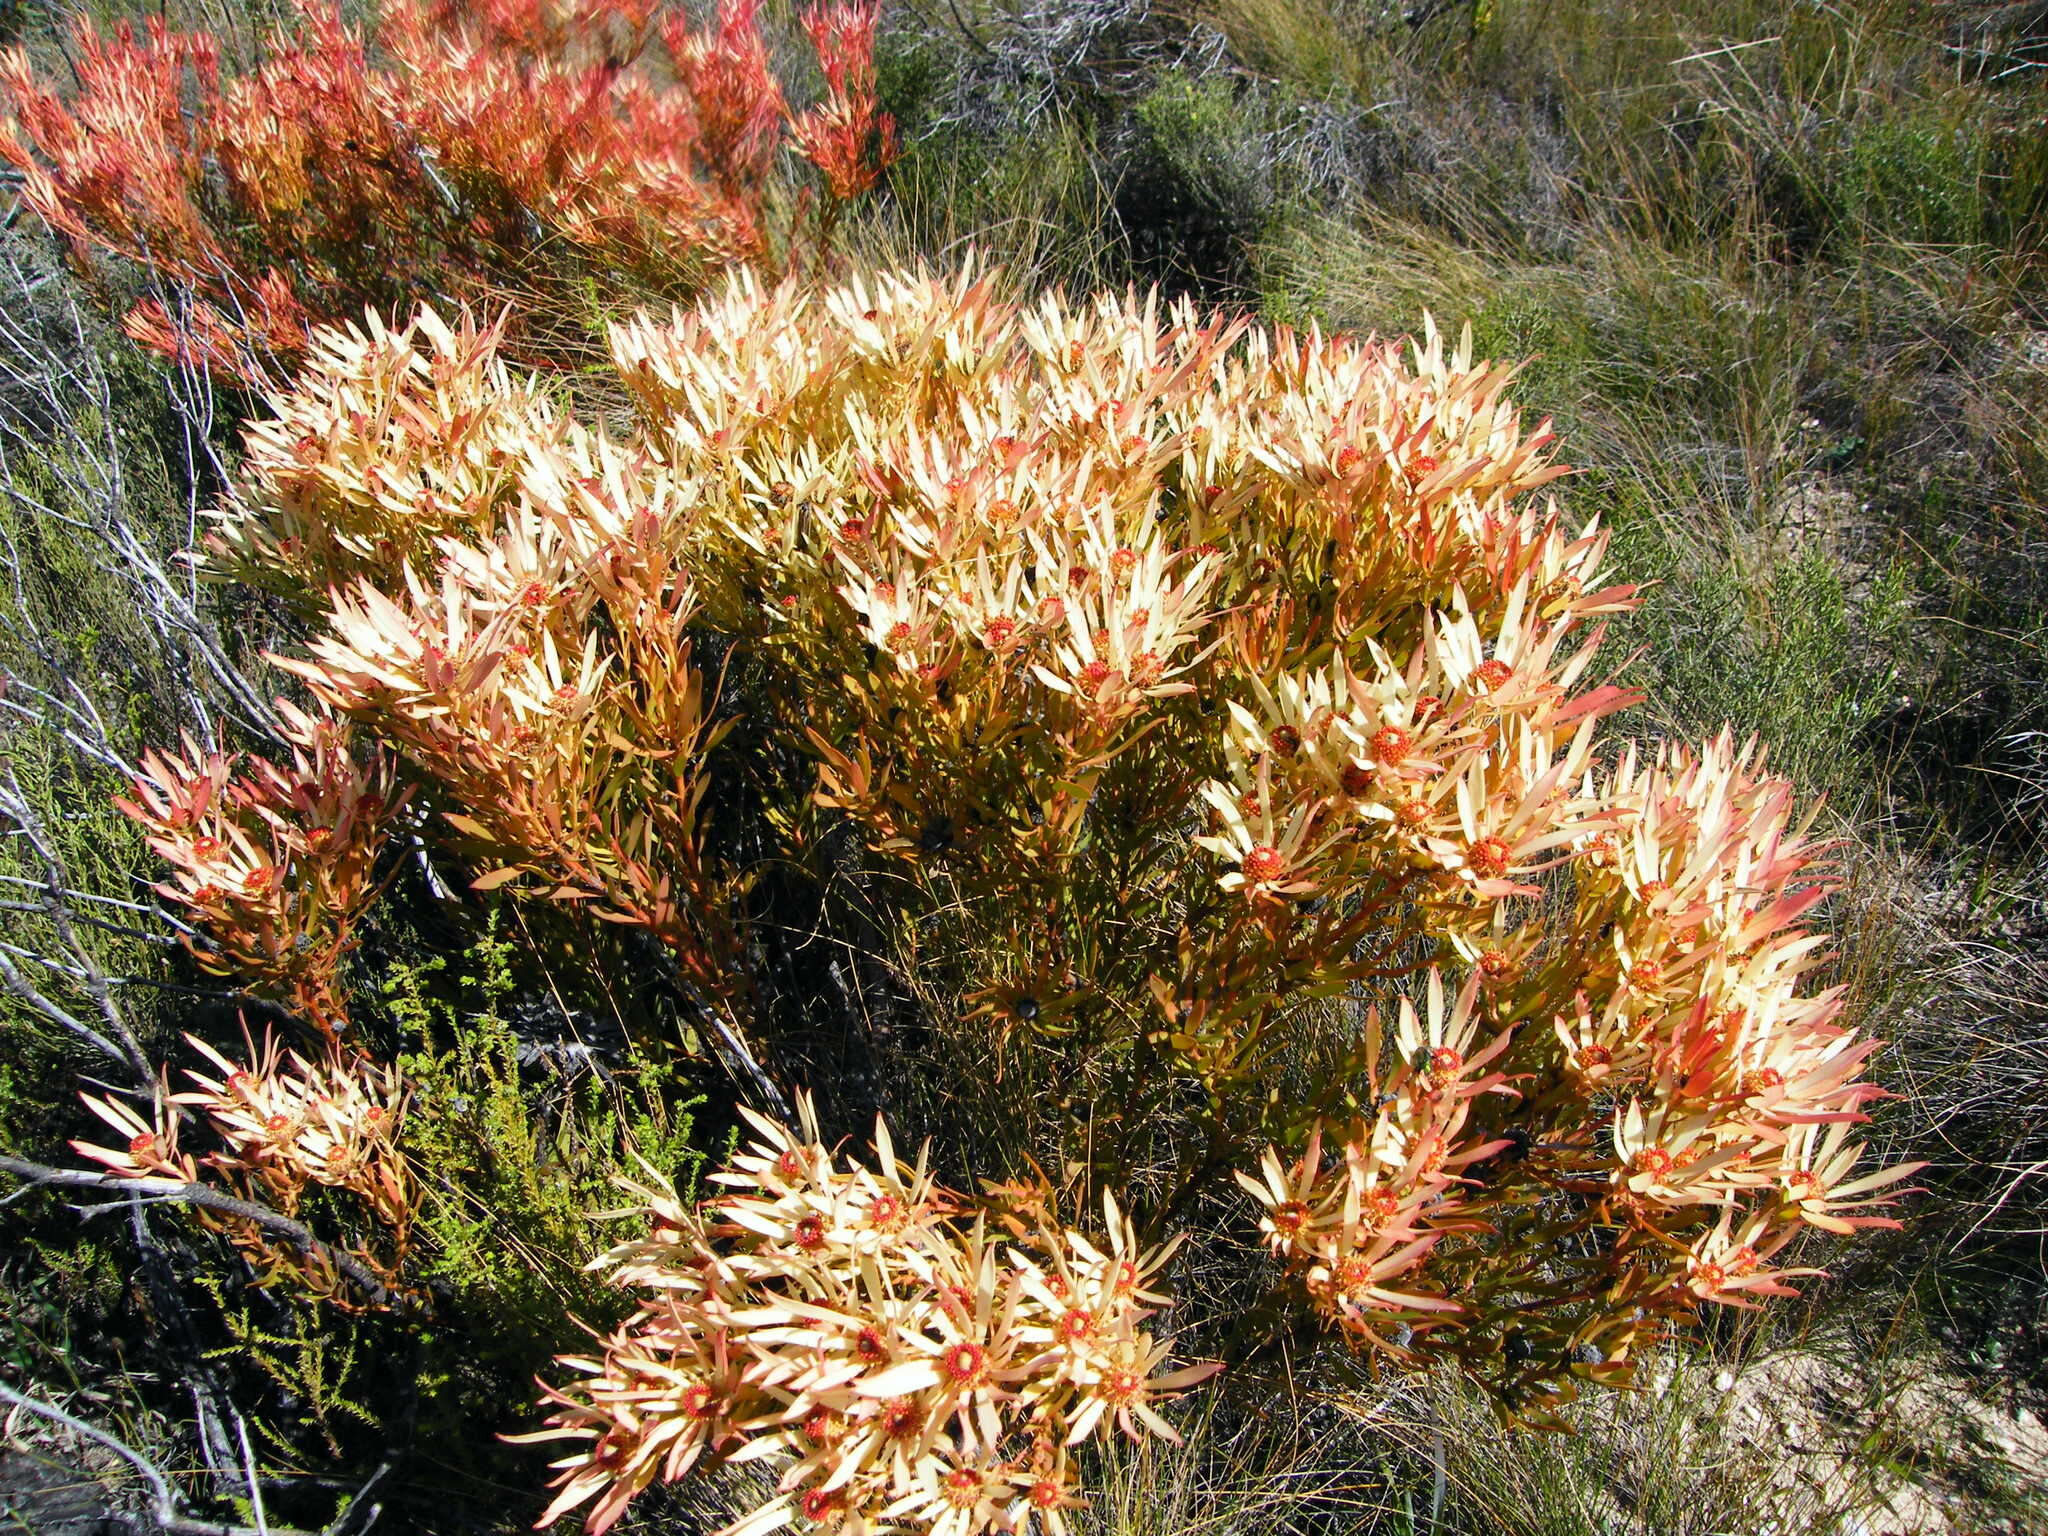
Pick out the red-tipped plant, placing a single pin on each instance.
(516, 153)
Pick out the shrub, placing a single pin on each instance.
(286, 1126)
(278, 861)
(1218, 708)
(521, 151)
(845, 1322)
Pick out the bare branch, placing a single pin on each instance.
(63, 376)
(374, 1290)
(163, 1502)
(21, 987)
(112, 1036)
(740, 1060)
(120, 930)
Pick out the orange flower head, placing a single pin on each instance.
(822, 1506)
(963, 1487)
(1122, 1385)
(1354, 1272)
(1264, 864)
(965, 1365)
(1488, 858)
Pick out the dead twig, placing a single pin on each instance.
(301, 1237)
